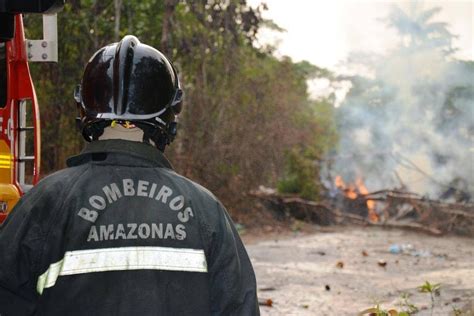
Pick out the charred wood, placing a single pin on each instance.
(396, 209)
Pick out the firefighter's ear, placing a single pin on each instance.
(78, 94)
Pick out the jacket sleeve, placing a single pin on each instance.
(232, 279)
(21, 242)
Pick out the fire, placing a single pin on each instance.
(352, 191)
(373, 217)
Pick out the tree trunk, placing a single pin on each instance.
(95, 37)
(129, 18)
(170, 5)
(118, 10)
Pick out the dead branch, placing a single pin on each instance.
(400, 209)
(410, 226)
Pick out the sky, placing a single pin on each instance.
(324, 32)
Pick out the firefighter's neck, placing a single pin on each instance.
(120, 132)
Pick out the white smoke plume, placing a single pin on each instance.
(411, 121)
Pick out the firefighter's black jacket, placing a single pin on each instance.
(120, 233)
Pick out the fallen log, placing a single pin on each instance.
(399, 209)
(292, 206)
(411, 226)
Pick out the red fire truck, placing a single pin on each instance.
(19, 112)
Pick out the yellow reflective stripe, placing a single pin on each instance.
(123, 259)
(5, 161)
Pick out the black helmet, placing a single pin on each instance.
(129, 82)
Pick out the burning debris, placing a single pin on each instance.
(405, 151)
(353, 191)
(407, 120)
(387, 208)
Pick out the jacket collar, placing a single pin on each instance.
(128, 152)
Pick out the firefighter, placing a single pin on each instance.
(119, 232)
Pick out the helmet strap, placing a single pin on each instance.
(160, 135)
(153, 133)
(92, 132)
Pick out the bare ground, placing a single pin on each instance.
(301, 275)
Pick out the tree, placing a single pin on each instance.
(240, 116)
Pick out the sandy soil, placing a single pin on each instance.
(301, 274)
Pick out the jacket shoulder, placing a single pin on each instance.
(196, 190)
(49, 191)
(58, 181)
(64, 175)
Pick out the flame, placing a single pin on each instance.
(339, 182)
(349, 190)
(373, 217)
(353, 191)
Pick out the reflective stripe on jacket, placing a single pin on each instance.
(120, 233)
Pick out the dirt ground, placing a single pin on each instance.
(336, 271)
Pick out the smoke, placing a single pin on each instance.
(410, 122)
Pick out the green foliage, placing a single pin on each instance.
(406, 305)
(407, 308)
(244, 108)
(457, 311)
(420, 31)
(302, 164)
(433, 290)
(379, 311)
(427, 287)
(301, 175)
